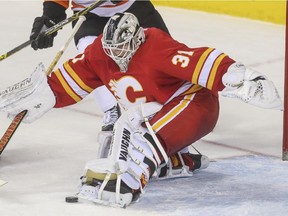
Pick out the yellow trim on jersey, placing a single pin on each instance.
(214, 70)
(192, 90)
(200, 64)
(66, 87)
(172, 113)
(76, 78)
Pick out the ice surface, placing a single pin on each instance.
(44, 160)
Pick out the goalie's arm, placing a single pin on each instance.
(39, 93)
(214, 70)
(73, 81)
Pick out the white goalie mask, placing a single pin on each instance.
(122, 36)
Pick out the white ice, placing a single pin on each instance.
(44, 160)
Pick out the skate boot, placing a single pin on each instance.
(181, 165)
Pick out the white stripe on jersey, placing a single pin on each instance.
(73, 85)
(182, 89)
(107, 9)
(205, 72)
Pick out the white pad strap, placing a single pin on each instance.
(160, 147)
(103, 185)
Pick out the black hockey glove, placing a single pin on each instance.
(38, 38)
(52, 13)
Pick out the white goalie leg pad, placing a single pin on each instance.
(136, 118)
(111, 181)
(250, 87)
(104, 140)
(98, 174)
(130, 163)
(129, 148)
(32, 94)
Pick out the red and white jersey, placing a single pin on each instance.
(107, 9)
(161, 69)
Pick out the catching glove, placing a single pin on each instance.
(250, 87)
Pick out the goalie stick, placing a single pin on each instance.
(19, 117)
(54, 28)
(11, 130)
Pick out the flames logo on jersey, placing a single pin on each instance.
(127, 90)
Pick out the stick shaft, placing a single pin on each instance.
(54, 28)
(19, 117)
(64, 47)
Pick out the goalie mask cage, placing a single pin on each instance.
(285, 117)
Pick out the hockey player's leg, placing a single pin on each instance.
(119, 179)
(200, 116)
(103, 97)
(109, 106)
(181, 165)
(251, 87)
(84, 41)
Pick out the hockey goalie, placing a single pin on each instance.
(169, 94)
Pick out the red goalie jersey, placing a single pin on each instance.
(185, 80)
(161, 69)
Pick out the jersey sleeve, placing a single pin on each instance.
(74, 80)
(203, 66)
